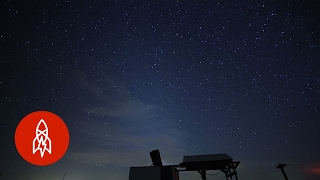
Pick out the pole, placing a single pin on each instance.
(203, 175)
(281, 166)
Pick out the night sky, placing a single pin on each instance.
(187, 78)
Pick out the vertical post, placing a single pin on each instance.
(236, 177)
(203, 174)
(281, 166)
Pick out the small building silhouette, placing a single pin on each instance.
(200, 163)
(154, 173)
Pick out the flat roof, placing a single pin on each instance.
(209, 162)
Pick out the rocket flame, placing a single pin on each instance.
(42, 140)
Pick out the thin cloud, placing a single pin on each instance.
(131, 147)
(133, 129)
(128, 108)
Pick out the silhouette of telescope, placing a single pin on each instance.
(156, 159)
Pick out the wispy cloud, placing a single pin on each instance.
(134, 128)
(128, 147)
(128, 108)
(113, 99)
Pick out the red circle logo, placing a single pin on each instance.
(42, 138)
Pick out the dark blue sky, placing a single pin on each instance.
(187, 78)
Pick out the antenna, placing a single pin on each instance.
(281, 166)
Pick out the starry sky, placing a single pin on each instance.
(184, 77)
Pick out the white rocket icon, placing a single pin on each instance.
(42, 141)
